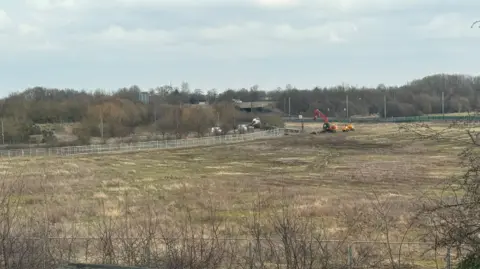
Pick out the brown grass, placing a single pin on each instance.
(321, 172)
(326, 178)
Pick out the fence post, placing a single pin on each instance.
(448, 258)
(349, 258)
(250, 254)
(149, 252)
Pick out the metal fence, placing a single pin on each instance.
(97, 266)
(234, 253)
(393, 119)
(140, 146)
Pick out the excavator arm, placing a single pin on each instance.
(317, 114)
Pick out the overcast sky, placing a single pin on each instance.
(88, 44)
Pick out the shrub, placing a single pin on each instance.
(472, 261)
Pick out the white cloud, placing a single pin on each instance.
(79, 5)
(48, 23)
(177, 3)
(235, 35)
(326, 5)
(449, 25)
(115, 34)
(50, 5)
(251, 31)
(289, 36)
(21, 36)
(327, 33)
(348, 6)
(247, 31)
(26, 29)
(278, 3)
(248, 40)
(5, 20)
(27, 41)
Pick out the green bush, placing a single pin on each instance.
(18, 131)
(35, 129)
(472, 261)
(48, 137)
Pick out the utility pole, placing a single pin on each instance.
(443, 95)
(289, 107)
(177, 117)
(346, 102)
(301, 120)
(234, 118)
(155, 113)
(346, 99)
(3, 135)
(284, 106)
(101, 125)
(155, 101)
(443, 104)
(385, 106)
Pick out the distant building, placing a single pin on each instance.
(144, 97)
(261, 106)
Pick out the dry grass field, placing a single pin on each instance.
(347, 185)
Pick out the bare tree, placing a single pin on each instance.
(226, 115)
(452, 218)
(200, 119)
(166, 121)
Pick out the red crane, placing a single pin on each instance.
(327, 126)
(317, 113)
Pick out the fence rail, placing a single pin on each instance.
(141, 146)
(393, 119)
(231, 253)
(97, 266)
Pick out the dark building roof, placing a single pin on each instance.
(259, 104)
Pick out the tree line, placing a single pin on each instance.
(118, 113)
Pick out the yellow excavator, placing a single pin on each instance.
(348, 128)
(328, 126)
